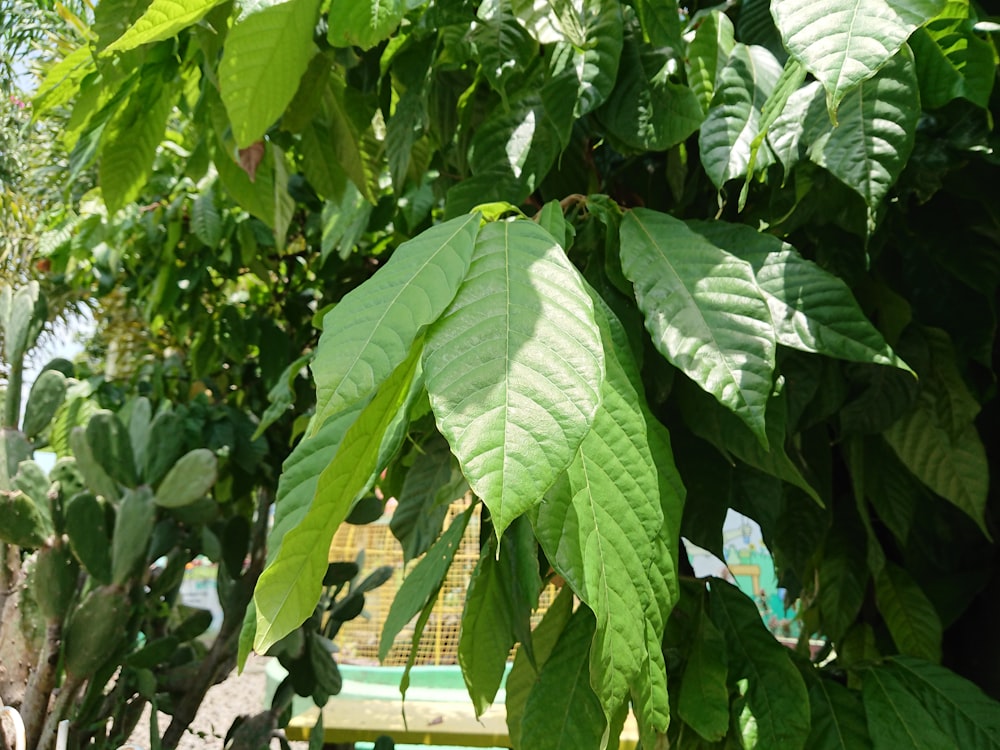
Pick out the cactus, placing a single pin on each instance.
(96, 479)
(133, 528)
(46, 397)
(95, 630)
(110, 445)
(20, 522)
(140, 429)
(31, 480)
(166, 435)
(86, 526)
(53, 580)
(189, 479)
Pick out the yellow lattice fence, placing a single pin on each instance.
(358, 639)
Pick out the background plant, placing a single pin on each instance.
(753, 225)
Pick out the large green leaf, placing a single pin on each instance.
(584, 64)
(897, 720)
(562, 711)
(647, 110)
(952, 60)
(968, 716)
(371, 330)
(290, 586)
(348, 116)
(266, 53)
(877, 123)
(734, 118)
(844, 42)
(914, 624)
(162, 20)
(599, 526)
(707, 55)
(937, 439)
(130, 139)
(812, 309)
(363, 23)
(777, 694)
(704, 696)
(266, 196)
(487, 634)
(843, 581)
(523, 673)
(838, 718)
(514, 367)
(704, 311)
(504, 47)
(422, 584)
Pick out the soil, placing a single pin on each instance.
(239, 694)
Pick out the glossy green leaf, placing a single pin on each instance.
(523, 674)
(845, 42)
(266, 52)
(838, 718)
(704, 695)
(777, 694)
(502, 45)
(599, 526)
(896, 719)
(371, 330)
(909, 614)
(423, 582)
(62, 81)
(704, 311)
(130, 139)
(661, 22)
(290, 586)
(812, 309)
(487, 633)
(319, 162)
(517, 356)
(584, 64)
(876, 128)
(734, 117)
(708, 53)
(205, 219)
(786, 136)
(266, 196)
(937, 439)
(162, 20)
(952, 60)
(363, 23)
(348, 116)
(562, 711)
(647, 110)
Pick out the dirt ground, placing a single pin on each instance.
(239, 694)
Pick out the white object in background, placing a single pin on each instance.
(63, 737)
(15, 719)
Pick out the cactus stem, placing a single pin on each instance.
(42, 681)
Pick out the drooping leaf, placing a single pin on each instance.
(897, 719)
(502, 45)
(487, 633)
(205, 219)
(843, 580)
(130, 139)
(290, 586)
(777, 694)
(363, 23)
(734, 117)
(661, 22)
(812, 310)
(877, 123)
(562, 711)
(431, 484)
(952, 60)
(423, 582)
(708, 53)
(599, 526)
(704, 311)
(845, 42)
(646, 110)
(838, 718)
(266, 52)
(371, 330)
(348, 116)
(516, 356)
(937, 439)
(704, 695)
(523, 675)
(909, 614)
(162, 20)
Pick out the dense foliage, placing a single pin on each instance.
(634, 264)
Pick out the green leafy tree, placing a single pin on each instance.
(633, 265)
